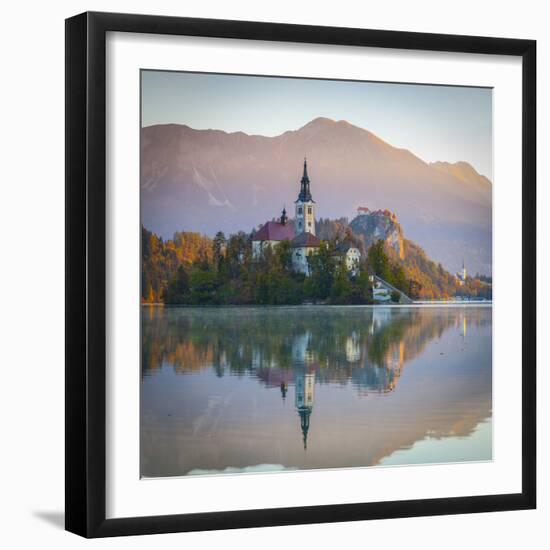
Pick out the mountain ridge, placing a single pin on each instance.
(206, 180)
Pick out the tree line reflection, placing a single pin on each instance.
(365, 346)
(296, 348)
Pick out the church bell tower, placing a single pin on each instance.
(304, 218)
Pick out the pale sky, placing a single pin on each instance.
(434, 122)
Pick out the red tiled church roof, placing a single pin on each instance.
(274, 231)
(305, 239)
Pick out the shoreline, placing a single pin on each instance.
(419, 305)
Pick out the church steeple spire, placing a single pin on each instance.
(304, 413)
(304, 218)
(305, 191)
(284, 217)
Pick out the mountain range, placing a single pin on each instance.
(210, 180)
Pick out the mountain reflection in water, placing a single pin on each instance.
(365, 384)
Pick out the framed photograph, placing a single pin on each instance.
(300, 274)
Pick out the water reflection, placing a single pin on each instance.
(305, 383)
(333, 358)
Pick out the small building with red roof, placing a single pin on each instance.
(271, 234)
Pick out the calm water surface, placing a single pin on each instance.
(257, 389)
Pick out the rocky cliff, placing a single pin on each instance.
(371, 226)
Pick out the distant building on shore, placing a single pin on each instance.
(462, 274)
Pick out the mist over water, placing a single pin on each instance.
(231, 390)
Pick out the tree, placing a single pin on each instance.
(203, 286)
(361, 292)
(219, 249)
(191, 268)
(399, 279)
(283, 256)
(378, 261)
(342, 287)
(322, 267)
(238, 255)
(178, 288)
(415, 288)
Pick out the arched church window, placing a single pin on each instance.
(299, 209)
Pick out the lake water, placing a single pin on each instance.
(270, 388)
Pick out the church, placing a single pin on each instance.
(462, 275)
(301, 233)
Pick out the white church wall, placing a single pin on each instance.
(259, 246)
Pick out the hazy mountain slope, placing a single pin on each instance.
(465, 172)
(206, 180)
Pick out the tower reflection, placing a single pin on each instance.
(304, 385)
(311, 387)
(364, 348)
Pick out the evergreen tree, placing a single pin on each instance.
(342, 288)
(178, 288)
(379, 262)
(322, 266)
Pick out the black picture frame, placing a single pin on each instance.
(86, 273)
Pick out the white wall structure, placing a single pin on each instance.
(351, 256)
(382, 291)
(303, 246)
(259, 246)
(272, 234)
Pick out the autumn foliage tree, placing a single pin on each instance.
(193, 269)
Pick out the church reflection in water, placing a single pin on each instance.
(304, 387)
(312, 387)
(365, 348)
(366, 374)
